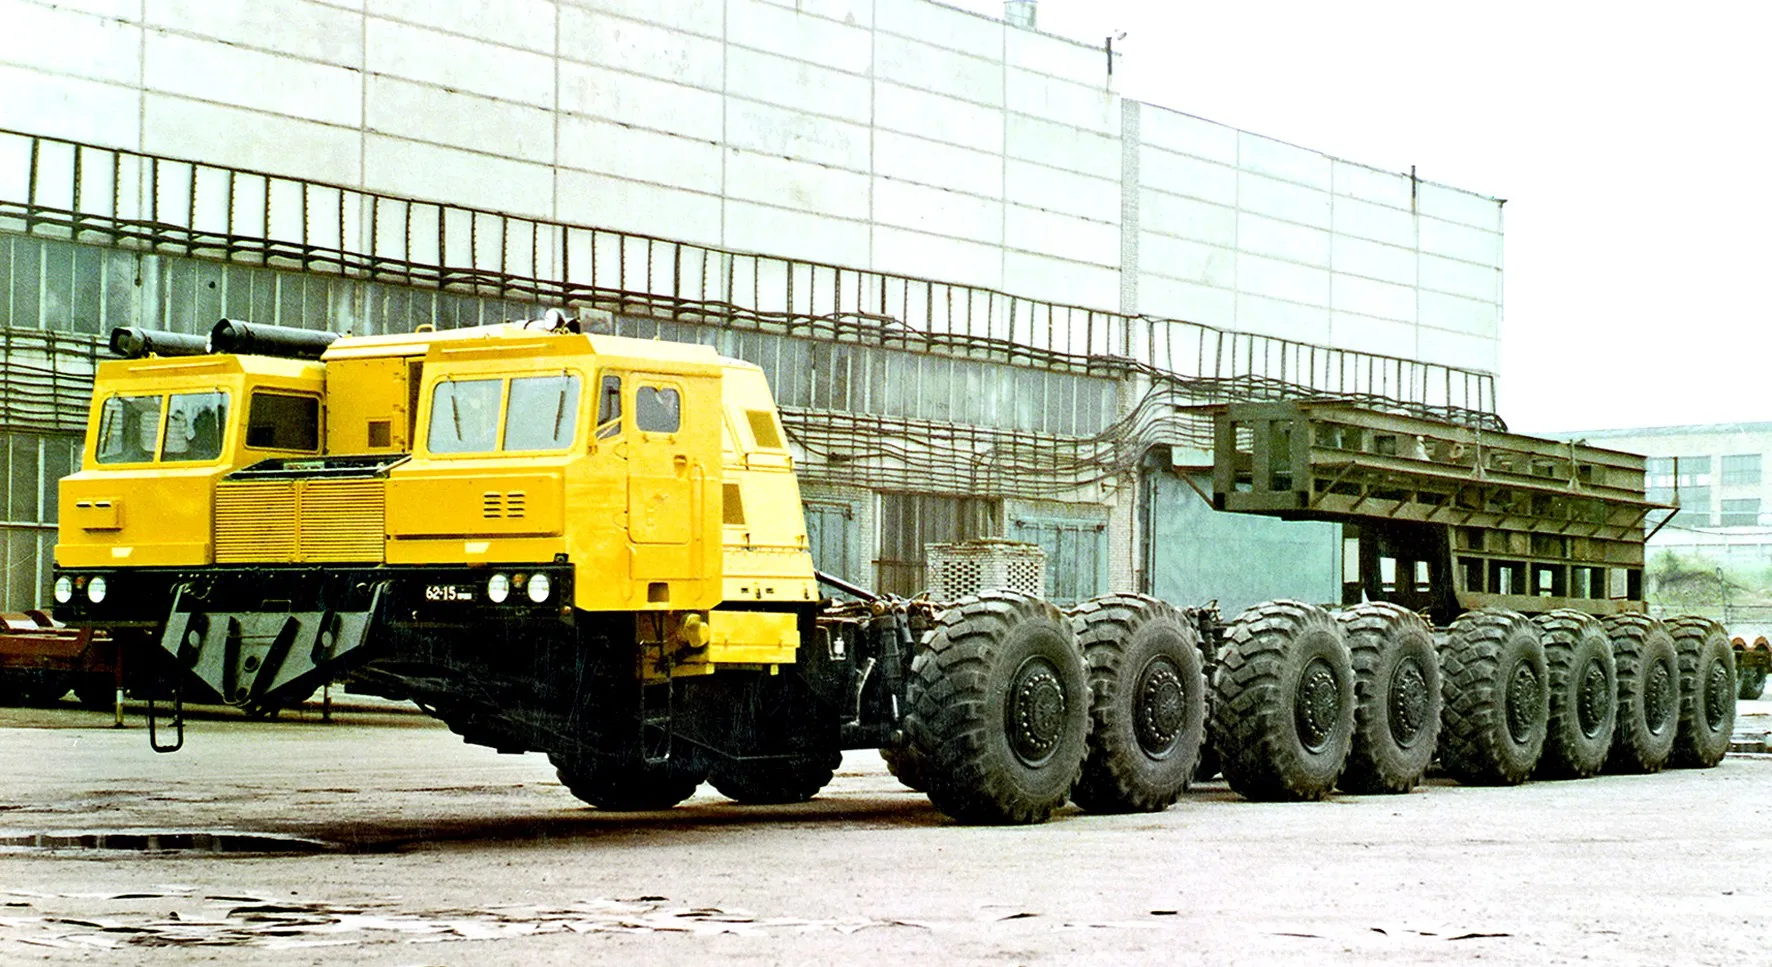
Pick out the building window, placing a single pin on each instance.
(1741, 468)
(1695, 507)
(1742, 513)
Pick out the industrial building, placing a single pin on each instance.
(983, 284)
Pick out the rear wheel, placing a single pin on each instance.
(767, 782)
(1753, 678)
(1396, 698)
(1648, 693)
(1147, 703)
(1497, 696)
(999, 711)
(1283, 715)
(1707, 692)
(627, 783)
(1583, 694)
(906, 766)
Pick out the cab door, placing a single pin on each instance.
(665, 478)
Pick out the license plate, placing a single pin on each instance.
(449, 592)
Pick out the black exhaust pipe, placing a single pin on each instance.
(250, 339)
(132, 343)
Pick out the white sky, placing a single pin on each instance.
(1630, 141)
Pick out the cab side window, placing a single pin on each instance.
(609, 408)
(282, 421)
(658, 409)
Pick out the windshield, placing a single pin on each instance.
(129, 427)
(542, 413)
(464, 416)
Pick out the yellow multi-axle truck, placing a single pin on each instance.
(593, 547)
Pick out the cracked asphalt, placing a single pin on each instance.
(379, 838)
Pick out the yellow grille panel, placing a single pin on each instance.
(291, 521)
(255, 522)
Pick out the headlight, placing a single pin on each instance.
(64, 589)
(95, 590)
(498, 588)
(539, 586)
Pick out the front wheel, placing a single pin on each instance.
(627, 783)
(769, 782)
(999, 710)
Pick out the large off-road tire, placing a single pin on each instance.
(1707, 692)
(1648, 693)
(1396, 698)
(1147, 703)
(768, 782)
(1583, 694)
(1497, 698)
(906, 766)
(999, 709)
(1283, 711)
(626, 783)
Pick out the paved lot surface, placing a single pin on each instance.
(381, 839)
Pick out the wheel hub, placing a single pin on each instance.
(1036, 711)
(1658, 706)
(1410, 701)
(1162, 708)
(1318, 705)
(1522, 702)
(1718, 696)
(1594, 705)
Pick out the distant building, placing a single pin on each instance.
(1718, 474)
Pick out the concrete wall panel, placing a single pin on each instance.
(1376, 223)
(641, 102)
(640, 48)
(1370, 184)
(1055, 57)
(419, 54)
(1284, 240)
(1051, 233)
(68, 42)
(1455, 349)
(616, 149)
(938, 211)
(1180, 217)
(704, 17)
(1367, 334)
(248, 139)
(69, 107)
(1041, 187)
(935, 257)
(942, 26)
(1460, 241)
(1059, 280)
(795, 84)
(1090, 108)
(422, 112)
(936, 116)
(618, 203)
(312, 31)
(528, 24)
(855, 13)
(1461, 207)
(1282, 280)
(797, 185)
(266, 82)
(1373, 260)
(1190, 177)
(1351, 293)
(1278, 317)
(1189, 261)
(1283, 161)
(795, 234)
(1481, 282)
(1062, 146)
(1473, 316)
(1283, 199)
(928, 67)
(1175, 299)
(1186, 134)
(465, 178)
(937, 164)
(790, 33)
(779, 131)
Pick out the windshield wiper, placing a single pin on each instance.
(454, 411)
(560, 409)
